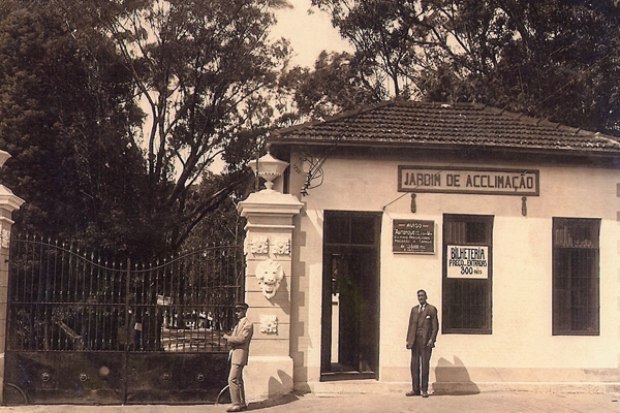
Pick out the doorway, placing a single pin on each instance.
(350, 310)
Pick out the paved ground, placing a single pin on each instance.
(490, 402)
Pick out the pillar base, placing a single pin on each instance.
(268, 377)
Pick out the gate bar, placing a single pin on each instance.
(128, 330)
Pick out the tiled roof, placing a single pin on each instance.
(406, 123)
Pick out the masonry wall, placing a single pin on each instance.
(521, 347)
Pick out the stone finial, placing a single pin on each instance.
(8, 200)
(268, 168)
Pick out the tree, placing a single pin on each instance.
(548, 58)
(333, 85)
(223, 224)
(204, 74)
(389, 39)
(66, 113)
(203, 70)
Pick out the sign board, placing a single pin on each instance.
(468, 180)
(413, 236)
(467, 262)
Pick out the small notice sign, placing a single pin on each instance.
(413, 236)
(467, 262)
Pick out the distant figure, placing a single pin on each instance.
(135, 324)
(421, 336)
(210, 320)
(239, 340)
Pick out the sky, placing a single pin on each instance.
(309, 34)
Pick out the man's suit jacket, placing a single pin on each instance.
(239, 340)
(430, 326)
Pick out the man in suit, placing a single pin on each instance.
(239, 341)
(421, 336)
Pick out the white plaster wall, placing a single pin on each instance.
(522, 266)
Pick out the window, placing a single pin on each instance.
(351, 228)
(576, 276)
(466, 297)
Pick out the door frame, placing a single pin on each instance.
(326, 301)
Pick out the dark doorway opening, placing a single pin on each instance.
(350, 316)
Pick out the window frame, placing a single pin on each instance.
(490, 221)
(555, 250)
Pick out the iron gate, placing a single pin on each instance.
(85, 329)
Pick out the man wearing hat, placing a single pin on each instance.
(239, 340)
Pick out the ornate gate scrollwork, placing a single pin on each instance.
(85, 329)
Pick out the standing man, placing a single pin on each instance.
(421, 336)
(239, 340)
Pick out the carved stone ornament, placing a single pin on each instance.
(282, 246)
(259, 245)
(246, 246)
(268, 324)
(269, 274)
(5, 237)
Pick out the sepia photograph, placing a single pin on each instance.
(330, 206)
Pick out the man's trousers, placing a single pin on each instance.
(420, 365)
(235, 385)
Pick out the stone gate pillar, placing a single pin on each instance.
(8, 203)
(268, 251)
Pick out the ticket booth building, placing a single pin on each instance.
(509, 223)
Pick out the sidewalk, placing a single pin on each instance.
(491, 402)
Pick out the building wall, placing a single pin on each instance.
(521, 347)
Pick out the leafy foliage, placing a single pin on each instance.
(114, 111)
(204, 69)
(333, 84)
(549, 58)
(67, 112)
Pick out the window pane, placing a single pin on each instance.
(575, 276)
(351, 228)
(562, 318)
(455, 232)
(576, 233)
(467, 302)
(336, 229)
(362, 230)
(476, 232)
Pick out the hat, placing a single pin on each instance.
(241, 304)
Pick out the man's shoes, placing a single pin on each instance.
(412, 393)
(236, 408)
(424, 393)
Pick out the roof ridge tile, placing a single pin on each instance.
(607, 138)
